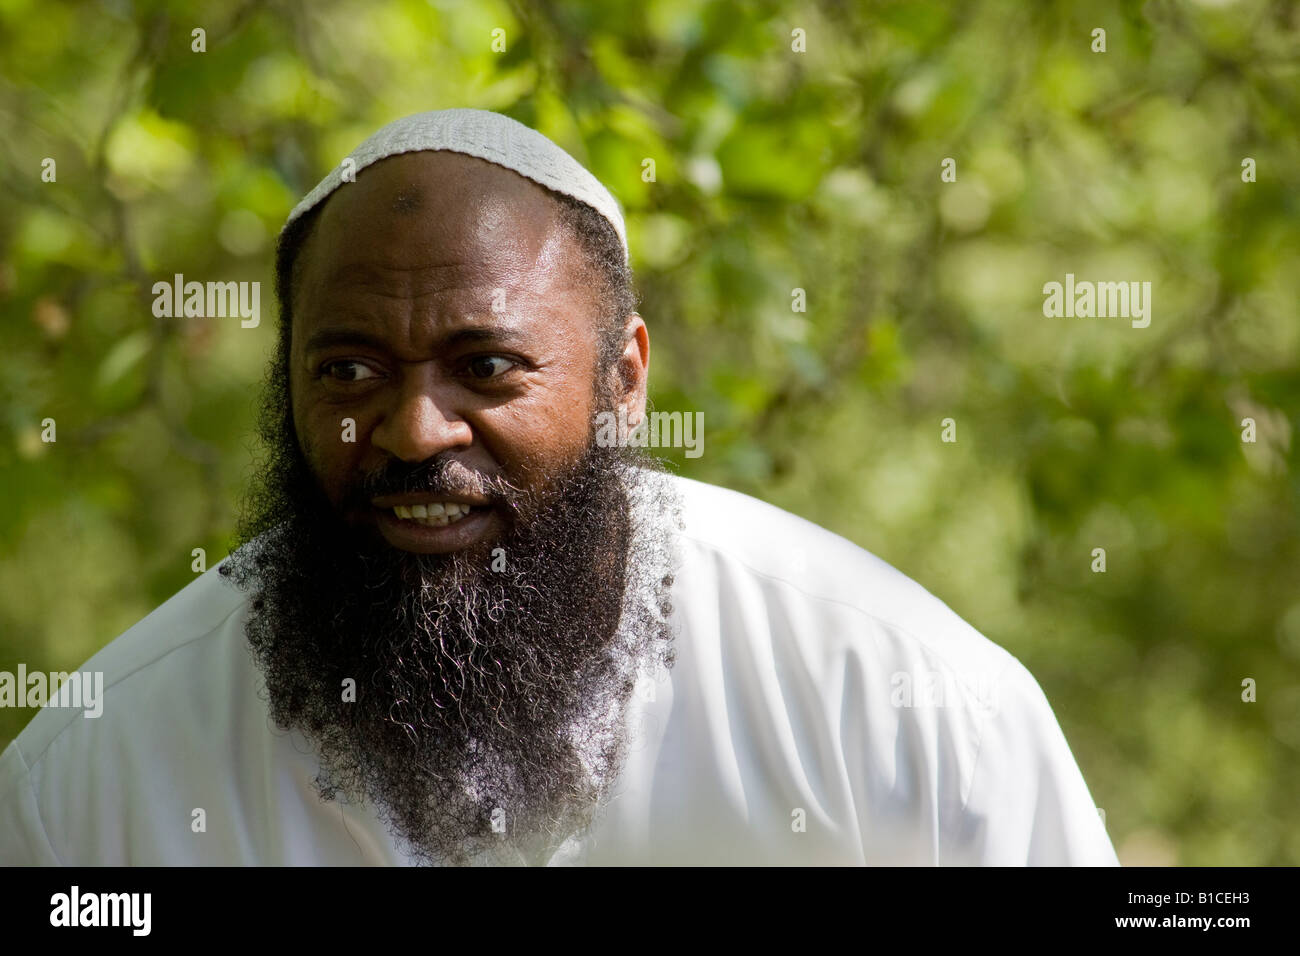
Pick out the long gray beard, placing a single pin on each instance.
(505, 744)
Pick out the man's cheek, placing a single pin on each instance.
(327, 457)
(545, 440)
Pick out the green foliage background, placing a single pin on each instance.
(775, 170)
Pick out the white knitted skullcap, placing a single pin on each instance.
(487, 135)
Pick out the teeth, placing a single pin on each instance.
(435, 515)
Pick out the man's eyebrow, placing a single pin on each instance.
(496, 334)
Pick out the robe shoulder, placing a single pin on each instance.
(168, 680)
(922, 739)
(810, 565)
(192, 616)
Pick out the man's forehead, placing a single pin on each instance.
(407, 182)
(430, 195)
(423, 222)
(412, 268)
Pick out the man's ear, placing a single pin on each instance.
(632, 369)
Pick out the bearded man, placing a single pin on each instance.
(459, 628)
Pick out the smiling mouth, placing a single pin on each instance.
(434, 515)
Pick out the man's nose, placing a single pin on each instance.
(421, 422)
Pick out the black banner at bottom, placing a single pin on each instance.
(134, 906)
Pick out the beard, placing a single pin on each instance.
(476, 699)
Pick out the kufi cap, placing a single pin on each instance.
(489, 136)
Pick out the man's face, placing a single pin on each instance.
(493, 650)
(444, 310)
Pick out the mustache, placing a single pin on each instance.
(439, 475)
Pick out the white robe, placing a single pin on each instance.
(823, 709)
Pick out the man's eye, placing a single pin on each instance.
(347, 370)
(489, 366)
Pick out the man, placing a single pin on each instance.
(462, 628)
